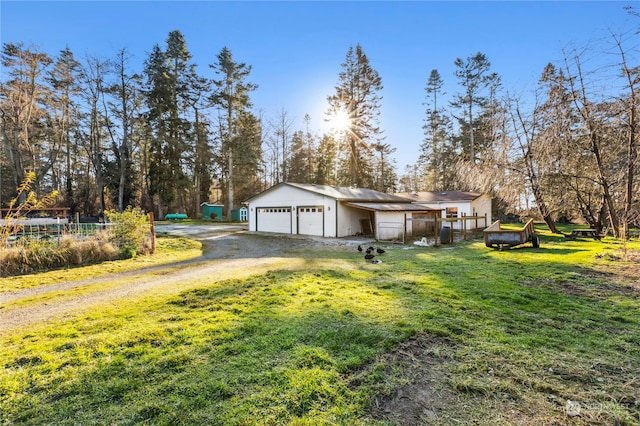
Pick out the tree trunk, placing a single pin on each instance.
(544, 210)
(160, 208)
(613, 217)
(121, 185)
(230, 185)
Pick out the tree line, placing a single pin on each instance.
(568, 154)
(167, 138)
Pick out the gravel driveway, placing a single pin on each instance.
(229, 251)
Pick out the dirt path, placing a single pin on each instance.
(228, 252)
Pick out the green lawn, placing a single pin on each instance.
(512, 335)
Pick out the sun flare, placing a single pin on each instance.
(340, 121)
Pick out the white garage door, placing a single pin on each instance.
(310, 220)
(274, 219)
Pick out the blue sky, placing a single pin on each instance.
(296, 48)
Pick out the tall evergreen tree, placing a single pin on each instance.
(439, 151)
(197, 98)
(472, 76)
(385, 176)
(180, 148)
(357, 97)
(232, 96)
(172, 148)
(327, 164)
(297, 168)
(158, 98)
(248, 155)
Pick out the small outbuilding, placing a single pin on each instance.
(456, 204)
(211, 211)
(240, 215)
(332, 211)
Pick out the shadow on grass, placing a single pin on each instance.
(265, 348)
(542, 249)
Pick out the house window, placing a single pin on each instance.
(451, 212)
(310, 210)
(274, 210)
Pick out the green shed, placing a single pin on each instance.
(211, 211)
(240, 215)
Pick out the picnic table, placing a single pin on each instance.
(588, 233)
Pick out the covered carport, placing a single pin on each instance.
(393, 222)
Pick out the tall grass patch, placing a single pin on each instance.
(168, 250)
(31, 255)
(128, 236)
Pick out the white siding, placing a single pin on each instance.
(481, 206)
(349, 220)
(300, 221)
(478, 207)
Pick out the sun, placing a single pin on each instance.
(340, 121)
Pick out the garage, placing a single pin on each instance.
(274, 219)
(325, 210)
(311, 220)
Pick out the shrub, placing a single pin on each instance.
(130, 232)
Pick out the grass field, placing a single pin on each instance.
(547, 336)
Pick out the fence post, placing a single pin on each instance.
(464, 228)
(153, 233)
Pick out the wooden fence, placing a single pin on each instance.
(446, 227)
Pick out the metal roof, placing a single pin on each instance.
(345, 193)
(392, 207)
(440, 196)
(342, 193)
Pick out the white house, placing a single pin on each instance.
(332, 211)
(456, 204)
